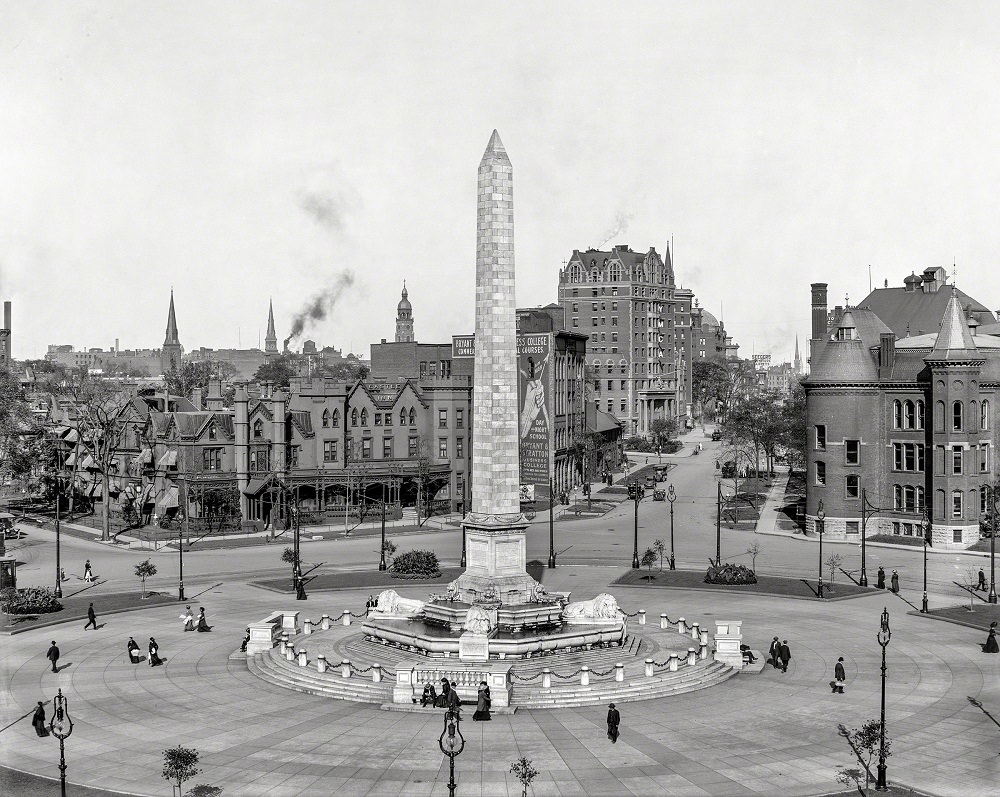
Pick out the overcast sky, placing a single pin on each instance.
(241, 151)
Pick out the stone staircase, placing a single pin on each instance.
(358, 688)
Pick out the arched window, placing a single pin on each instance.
(984, 415)
(973, 415)
(957, 504)
(258, 429)
(938, 416)
(920, 414)
(326, 419)
(354, 417)
(897, 414)
(973, 505)
(909, 415)
(212, 433)
(908, 496)
(611, 366)
(413, 417)
(402, 417)
(623, 366)
(575, 273)
(919, 499)
(595, 275)
(897, 497)
(615, 272)
(364, 417)
(335, 420)
(957, 416)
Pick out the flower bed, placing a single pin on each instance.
(29, 600)
(730, 574)
(414, 565)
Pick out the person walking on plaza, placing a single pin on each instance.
(188, 619)
(91, 618)
(483, 703)
(880, 580)
(839, 676)
(53, 656)
(88, 574)
(774, 652)
(134, 655)
(454, 701)
(300, 588)
(38, 721)
(202, 622)
(154, 653)
(614, 720)
(785, 654)
(894, 582)
(991, 640)
(982, 580)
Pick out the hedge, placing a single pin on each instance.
(415, 564)
(730, 574)
(29, 600)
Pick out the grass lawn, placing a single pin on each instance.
(75, 608)
(766, 585)
(981, 616)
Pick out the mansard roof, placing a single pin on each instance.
(916, 312)
(843, 361)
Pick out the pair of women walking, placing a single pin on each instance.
(195, 624)
(135, 656)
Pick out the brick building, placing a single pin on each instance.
(909, 417)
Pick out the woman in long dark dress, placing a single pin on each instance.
(991, 640)
(441, 701)
(202, 622)
(483, 703)
(134, 655)
(154, 653)
(38, 720)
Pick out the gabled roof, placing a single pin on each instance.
(302, 420)
(954, 340)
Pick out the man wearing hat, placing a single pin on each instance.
(614, 718)
(839, 677)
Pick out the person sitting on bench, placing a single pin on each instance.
(747, 654)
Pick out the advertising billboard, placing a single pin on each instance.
(534, 355)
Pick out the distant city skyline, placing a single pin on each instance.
(241, 153)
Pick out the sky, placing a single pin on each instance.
(241, 152)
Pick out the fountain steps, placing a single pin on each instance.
(360, 689)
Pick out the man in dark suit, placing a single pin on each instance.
(785, 655)
(53, 656)
(839, 676)
(91, 618)
(774, 652)
(614, 720)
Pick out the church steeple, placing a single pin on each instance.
(170, 355)
(270, 339)
(797, 362)
(404, 317)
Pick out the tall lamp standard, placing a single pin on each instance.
(61, 726)
(671, 497)
(866, 510)
(452, 743)
(382, 566)
(180, 547)
(884, 634)
(637, 495)
(925, 526)
(58, 589)
(552, 539)
(718, 523)
(820, 522)
(993, 536)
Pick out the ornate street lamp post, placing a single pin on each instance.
(671, 497)
(452, 743)
(61, 726)
(925, 526)
(552, 539)
(635, 537)
(58, 589)
(993, 536)
(718, 523)
(866, 510)
(884, 634)
(820, 521)
(382, 566)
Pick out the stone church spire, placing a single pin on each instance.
(270, 339)
(797, 362)
(171, 336)
(170, 355)
(404, 319)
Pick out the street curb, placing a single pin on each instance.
(77, 618)
(932, 616)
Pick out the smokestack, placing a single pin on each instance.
(819, 311)
(118, 347)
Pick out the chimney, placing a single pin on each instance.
(818, 310)
(886, 350)
(118, 347)
(196, 397)
(214, 397)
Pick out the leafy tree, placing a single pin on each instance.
(347, 370)
(865, 742)
(145, 570)
(389, 548)
(221, 505)
(663, 430)
(524, 772)
(648, 560)
(20, 434)
(660, 547)
(754, 422)
(183, 381)
(793, 435)
(708, 384)
(277, 370)
(180, 764)
(288, 556)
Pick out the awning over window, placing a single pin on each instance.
(256, 485)
(169, 499)
(145, 457)
(168, 460)
(146, 497)
(71, 460)
(87, 463)
(71, 436)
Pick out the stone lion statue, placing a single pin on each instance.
(478, 622)
(390, 602)
(603, 607)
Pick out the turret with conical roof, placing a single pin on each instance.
(170, 355)
(954, 340)
(271, 338)
(404, 318)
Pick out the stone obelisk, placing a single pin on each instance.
(494, 529)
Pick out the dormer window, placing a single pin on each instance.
(212, 433)
(846, 333)
(258, 429)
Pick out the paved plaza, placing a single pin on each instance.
(755, 734)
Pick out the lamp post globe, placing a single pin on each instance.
(671, 497)
(820, 520)
(61, 726)
(452, 743)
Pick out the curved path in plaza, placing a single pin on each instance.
(755, 734)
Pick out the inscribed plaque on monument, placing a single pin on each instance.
(508, 555)
(478, 553)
